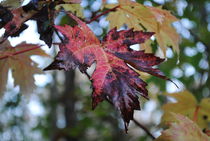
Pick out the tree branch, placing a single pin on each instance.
(143, 128)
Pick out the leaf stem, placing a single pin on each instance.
(19, 52)
(195, 117)
(103, 13)
(144, 128)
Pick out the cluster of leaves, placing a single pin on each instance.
(115, 78)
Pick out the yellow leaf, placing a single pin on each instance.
(166, 35)
(140, 17)
(74, 8)
(187, 105)
(131, 13)
(183, 129)
(21, 65)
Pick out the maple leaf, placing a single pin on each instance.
(22, 67)
(188, 105)
(183, 129)
(15, 24)
(131, 13)
(113, 79)
(140, 17)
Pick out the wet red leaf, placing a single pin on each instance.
(114, 78)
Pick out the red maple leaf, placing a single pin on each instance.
(114, 78)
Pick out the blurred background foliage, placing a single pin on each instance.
(60, 107)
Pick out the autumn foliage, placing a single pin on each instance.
(116, 77)
(112, 79)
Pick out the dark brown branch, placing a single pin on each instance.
(144, 128)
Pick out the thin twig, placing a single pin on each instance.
(87, 74)
(103, 13)
(57, 33)
(144, 128)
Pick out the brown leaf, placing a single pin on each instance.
(21, 65)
